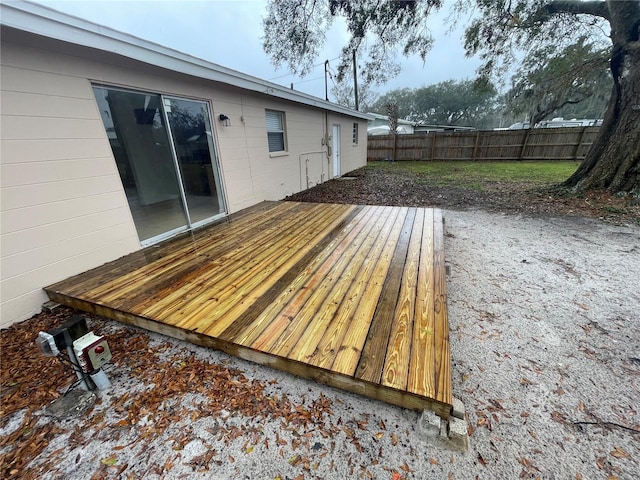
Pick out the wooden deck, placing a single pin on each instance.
(351, 296)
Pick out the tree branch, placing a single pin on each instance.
(608, 424)
(594, 7)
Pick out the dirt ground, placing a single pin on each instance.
(376, 186)
(544, 312)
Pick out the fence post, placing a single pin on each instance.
(433, 146)
(475, 146)
(577, 149)
(395, 141)
(524, 144)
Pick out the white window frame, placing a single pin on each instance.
(356, 127)
(272, 130)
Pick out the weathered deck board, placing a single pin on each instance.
(352, 296)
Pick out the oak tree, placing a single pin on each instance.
(503, 27)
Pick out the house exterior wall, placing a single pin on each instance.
(63, 207)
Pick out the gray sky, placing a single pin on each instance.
(229, 33)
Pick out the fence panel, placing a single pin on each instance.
(571, 143)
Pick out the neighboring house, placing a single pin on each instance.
(110, 143)
(379, 125)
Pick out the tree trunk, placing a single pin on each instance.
(613, 162)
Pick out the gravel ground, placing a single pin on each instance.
(544, 318)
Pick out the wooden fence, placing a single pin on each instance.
(571, 143)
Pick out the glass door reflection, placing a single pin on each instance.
(190, 127)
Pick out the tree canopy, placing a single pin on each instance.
(464, 103)
(500, 32)
(575, 82)
(295, 33)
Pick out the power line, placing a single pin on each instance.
(307, 81)
(296, 75)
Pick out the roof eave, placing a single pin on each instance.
(40, 20)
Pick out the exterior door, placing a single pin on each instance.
(164, 151)
(336, 150)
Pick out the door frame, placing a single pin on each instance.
(335, 149)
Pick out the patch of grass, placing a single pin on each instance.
(476, 174)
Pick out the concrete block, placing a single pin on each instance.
(50, 306)
(458, 410)
(458, 438)
(429, 424)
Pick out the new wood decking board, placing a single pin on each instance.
(375, 348)
(442, 354)
(332, 344)
(262, 280)
(216, 281)
(269, 297)
(287, 327)
(199, 257)
(422, 363)
(396, 368)
(308, 325)
(348, 353)
(230, 261)
(230, 284)
(354, 297)
(280, 312)
(113, 270)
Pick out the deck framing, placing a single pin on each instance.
(350, 296)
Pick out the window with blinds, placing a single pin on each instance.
(275, 131)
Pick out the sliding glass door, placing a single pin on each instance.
(164, 150)
(192, 135)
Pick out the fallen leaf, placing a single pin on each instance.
(109, 461)
(533, 434)
(433, 461)
(379, 435)
(396, 476)
(619, 453)
(406, 467)
(558, 417)
(394, 439)
(482, 460)
(470, 430)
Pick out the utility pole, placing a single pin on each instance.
(326, 71)
(355, 79)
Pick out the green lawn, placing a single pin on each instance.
(475, 174)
